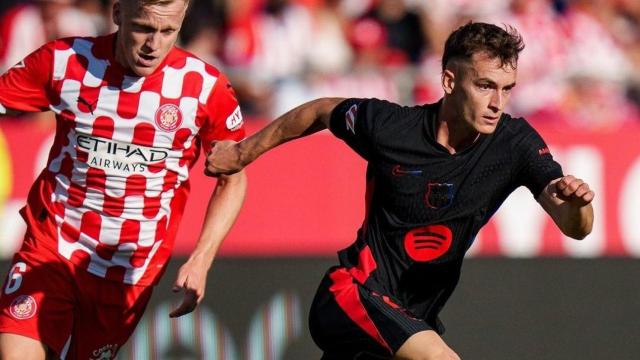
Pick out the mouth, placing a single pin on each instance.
(491, 119)
(146, 60)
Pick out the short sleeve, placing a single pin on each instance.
(355, 121)
(25, 86)
(535, 166)
(224, 118)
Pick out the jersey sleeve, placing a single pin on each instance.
(535, 166)
(25, 86)
(356, 122)
(224, 118)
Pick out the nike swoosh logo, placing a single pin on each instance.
(399, 171)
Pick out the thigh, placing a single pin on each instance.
(425, 345)
(107, 314)
(37, 299)
(348, 320)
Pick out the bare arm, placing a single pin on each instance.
(227, 157)
(222, 211)
(568, 201)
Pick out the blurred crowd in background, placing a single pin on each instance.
(580, 67)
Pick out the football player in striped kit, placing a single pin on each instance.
(133, 112)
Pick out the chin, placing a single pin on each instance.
(142, 72)
(486, 129)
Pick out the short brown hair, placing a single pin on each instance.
(473, 38)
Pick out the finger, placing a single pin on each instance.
(564, 182)
(572, 187)
(588, 197)
(582, 190)
(179, 283)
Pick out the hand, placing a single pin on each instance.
(223, 158)
(192, 278)
(574, 191)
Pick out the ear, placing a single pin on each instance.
(448, 81)
(117, 13)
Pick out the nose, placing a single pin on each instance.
(497, 101)
(153, 42)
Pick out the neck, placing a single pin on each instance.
(451, 130)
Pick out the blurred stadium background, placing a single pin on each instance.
(527, 292)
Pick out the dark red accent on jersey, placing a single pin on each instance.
(428, 243)
(346, 293)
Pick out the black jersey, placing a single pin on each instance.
(424, 205)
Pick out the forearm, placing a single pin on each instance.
(576, 222)
(568, 201)
(222, 211)
(302, 121)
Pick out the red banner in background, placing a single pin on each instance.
(307, 197)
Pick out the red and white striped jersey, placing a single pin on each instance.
(116, 181)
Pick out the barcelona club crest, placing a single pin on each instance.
(169, 117)
(438, 195)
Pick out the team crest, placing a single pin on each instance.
(439, 195)
(169, 117)
(106, 352)
(23, 307)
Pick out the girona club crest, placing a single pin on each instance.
(23, 307)
(169, 117)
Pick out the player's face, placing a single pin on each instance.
(146, 34)
(481, 90)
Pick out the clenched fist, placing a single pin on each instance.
(223, 158)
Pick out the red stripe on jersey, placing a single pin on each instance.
(366, 265)
(347, 296)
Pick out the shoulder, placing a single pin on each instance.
(183, 59)
(515, 128)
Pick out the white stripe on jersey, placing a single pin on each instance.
(3, 110)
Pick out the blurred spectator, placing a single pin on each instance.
(580, 65)
(25, 27)
(401, 29)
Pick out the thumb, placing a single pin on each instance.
(179, 284)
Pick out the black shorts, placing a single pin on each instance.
(350, 321)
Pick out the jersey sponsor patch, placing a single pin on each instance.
(350, 118)
(23, 307)
(169, 117)
(428, 243)
(117, 158)
(234, 121)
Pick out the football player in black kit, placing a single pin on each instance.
(436, 174)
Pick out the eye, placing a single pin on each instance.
(484, 86)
